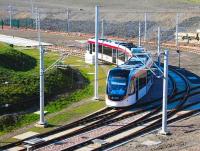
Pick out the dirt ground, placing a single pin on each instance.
(121, 17)
(120, 5)
(184, 137)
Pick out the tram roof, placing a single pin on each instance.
(114, 41)
(136, 62)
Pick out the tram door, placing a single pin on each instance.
(90, 48)
(114, 54)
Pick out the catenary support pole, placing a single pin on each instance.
(164, 130)
(179, 58)
(41, 121)
(67, 20)
(177, 21)
(10, 15)
(145, 27)
(177, 44)
(96, 96)
(139, 34)
(158, 46)
(36, 18)
(102, 28)
(32, 8)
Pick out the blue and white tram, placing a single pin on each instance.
(129, 82)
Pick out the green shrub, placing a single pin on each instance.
(15, 60)
(8, 120)
(20, 88)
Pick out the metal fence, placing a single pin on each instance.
(119, 24)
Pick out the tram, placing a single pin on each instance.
(129, 82)
(111, 51)
(131, 79)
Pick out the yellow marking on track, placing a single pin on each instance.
(25, 135)
(17, 148)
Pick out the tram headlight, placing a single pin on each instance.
(116, 98)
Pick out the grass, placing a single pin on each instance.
(19, 71)
(70, 114)
(85, 69)
(87, 92)
(59, 105)
(192, 1)
(19, 85)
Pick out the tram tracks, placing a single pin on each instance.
(92, 121)
(129, 115)
(102, 116)
(156, 121)
(90, 118)
(142, 116)
(152, 121)
(116, 117)
(149, 128)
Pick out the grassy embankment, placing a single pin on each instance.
(20, 82)
(192, 1)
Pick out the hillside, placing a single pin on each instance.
(19, 76)
(107, 5)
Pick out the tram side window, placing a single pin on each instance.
(136, 85)
(100, 48)
(122, 56)
(114, 52)
(142, 81)
(107, 51)
(149, 75)
(93, 47)
(132, 87)
(90, 48)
